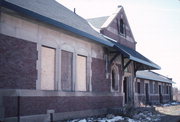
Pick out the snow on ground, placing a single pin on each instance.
(172, 103)
(105, 119)
(139, 115)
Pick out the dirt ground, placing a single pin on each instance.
(171, 113)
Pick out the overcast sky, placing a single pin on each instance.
(155, 25)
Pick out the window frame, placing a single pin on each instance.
(116, 78)
(72, 73)
(86, 82)
(121, 27)
(55, 61)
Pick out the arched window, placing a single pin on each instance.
(114, 79)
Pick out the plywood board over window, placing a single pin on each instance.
(66, 70)
(81, 73)
(47, 68)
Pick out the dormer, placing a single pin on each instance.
(115, 27)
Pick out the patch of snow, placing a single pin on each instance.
(83, 120)
(174, 103)
(144, 116)
(75, 120)
(157, 119)
(132, 120)
(116, 118)
(148, 118)
(166, 104)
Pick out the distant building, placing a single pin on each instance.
(176, 94)
(152, 88)
(54, 65)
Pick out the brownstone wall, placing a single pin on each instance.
(40, 105)
(17, 63)
(99, 81)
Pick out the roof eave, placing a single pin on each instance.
(151, 65)
(141, 77)
(58, 24)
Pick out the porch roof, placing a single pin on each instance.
(141, 62)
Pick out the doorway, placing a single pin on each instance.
(160, 94)
(147, 93)
(170, 93)
(125, 90)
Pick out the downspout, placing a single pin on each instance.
(18, 108)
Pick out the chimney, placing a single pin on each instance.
(75, 10)
(119, 6)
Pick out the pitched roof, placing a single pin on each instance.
(52, 12)
(98, 22)
(141, 62)
(104, 21)
(150, 75)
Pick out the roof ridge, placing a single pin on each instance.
(97, 17)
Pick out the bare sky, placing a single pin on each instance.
(155, 25)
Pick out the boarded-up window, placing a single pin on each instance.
(47, 68)
(66, 70)
(81, 73)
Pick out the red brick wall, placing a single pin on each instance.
(40, 105)
(17, 63)
(99, 81)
